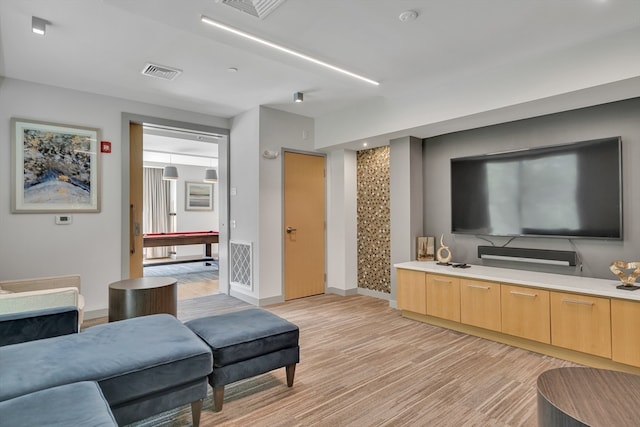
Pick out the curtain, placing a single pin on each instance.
(156, 209)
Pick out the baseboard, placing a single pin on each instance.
(342, 292)
(375, 294)
(243, 297)
(95, 314)
(258, 302)
(268, 301)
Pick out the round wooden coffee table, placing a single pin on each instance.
(588, 397)
(142, 296)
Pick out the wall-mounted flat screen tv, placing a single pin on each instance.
(572, 190)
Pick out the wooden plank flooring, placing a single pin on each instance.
(363, 364)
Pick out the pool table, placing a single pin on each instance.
(178, 238)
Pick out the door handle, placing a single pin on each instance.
(290, 230)
(132, 241)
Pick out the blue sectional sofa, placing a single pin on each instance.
(143, 366)
(132, 369)
(76, 404)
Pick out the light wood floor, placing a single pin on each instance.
(185, 291)
(363, 364)
(197, 289)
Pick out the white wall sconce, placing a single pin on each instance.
(38, 25)
(270, 154)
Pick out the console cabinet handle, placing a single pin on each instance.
(478, 287)
(446, 282)
(524, 294)
(575, 301)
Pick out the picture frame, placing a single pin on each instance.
(198, 196)
(55, 167)
(425, 248)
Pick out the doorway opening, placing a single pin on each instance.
(177, 223)
(183, 206)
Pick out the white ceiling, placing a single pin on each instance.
(101, 46)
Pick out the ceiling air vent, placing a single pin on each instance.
(160, 71)
(258, 8)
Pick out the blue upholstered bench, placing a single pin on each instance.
(247, 343)
(72, 405)
(144, 366)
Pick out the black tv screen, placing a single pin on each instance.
(572, 190)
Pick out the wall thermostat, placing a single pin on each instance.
(64, 219)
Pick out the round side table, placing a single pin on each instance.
(578, 397)
(142, 296)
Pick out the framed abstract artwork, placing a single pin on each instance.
(199, 196)
(55, 167)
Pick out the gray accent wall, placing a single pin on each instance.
(613, 119)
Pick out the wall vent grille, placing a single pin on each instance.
(241, 264)
(160, 71)
(258, 8)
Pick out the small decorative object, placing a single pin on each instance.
(442, 258)
(627, 281)
(425, 249)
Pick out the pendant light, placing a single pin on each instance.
(170, 172)
(210, 175)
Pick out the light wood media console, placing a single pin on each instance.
(585, 320)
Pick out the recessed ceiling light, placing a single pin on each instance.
(256, 39)
(364, 144)
(298, 97)
(232, 69)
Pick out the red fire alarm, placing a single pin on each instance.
(105, 147)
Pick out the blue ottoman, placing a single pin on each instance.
(247, 343)
(78, 404)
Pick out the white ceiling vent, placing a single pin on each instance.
(258, 8)
(160, 71)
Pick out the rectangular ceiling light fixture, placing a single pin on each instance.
(264, 42)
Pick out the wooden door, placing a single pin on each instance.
(135, 200)
(304, 225)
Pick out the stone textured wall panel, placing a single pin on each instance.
(374, 220)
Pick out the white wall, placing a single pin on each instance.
(256, 207)
(32, 244)
(406, 201)
(244, 178)
(544, 84)
(278, 130)
(342, 227)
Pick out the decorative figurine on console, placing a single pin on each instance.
(442, 258)
(627, 281)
